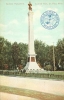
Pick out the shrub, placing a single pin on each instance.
(48, 68)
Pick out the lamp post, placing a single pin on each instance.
(53, 58)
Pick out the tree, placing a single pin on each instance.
(40, 51)
(1, 52)
(15, 54)
(60, 54)
(7, 53)
(23, 53)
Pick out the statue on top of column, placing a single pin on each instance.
(30, 8)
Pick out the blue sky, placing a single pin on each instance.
(14, 20)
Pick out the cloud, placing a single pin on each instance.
(14, 22)
(14, 31)
(39, 30)
(19, 36)
(48, 39)
(12, 25)
(62, 35)
(61, 15)
(7, 33)
(3, 27)
(37, 15)
(39, 7)
(47, 36)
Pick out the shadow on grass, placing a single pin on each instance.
(30, 93)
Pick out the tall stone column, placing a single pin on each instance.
(31, 52)
(31, 62)
(30, 33)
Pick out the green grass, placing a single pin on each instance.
(57, 72)
(46, 74)
(30, 93)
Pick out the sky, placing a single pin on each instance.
(14, 20)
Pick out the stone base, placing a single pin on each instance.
(32, 67)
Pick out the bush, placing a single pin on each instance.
(48, 68)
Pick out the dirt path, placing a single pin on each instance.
(40, 89)
(41, 85)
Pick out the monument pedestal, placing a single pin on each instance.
(31, 63)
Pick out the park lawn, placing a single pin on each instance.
(30, 93)
(57, 72)
(59, 75)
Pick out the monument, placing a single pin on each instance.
(31, 62)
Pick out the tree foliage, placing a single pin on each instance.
(1, 52)
(15, 55)
(60, 53)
